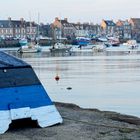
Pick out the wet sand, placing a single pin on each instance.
(78, 124)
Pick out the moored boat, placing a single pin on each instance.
(30, 48)
(132, 44)
(113, 41)
(60, 48)
(83, 40)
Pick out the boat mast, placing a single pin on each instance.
(60, 30)
(30, 25)
(38, 28)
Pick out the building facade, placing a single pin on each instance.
(63, 28)
(17, 29)
(135, 24)
(108, 27)
(123, 29)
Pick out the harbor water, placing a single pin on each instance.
(109, 82)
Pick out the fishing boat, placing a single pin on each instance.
(60, 48)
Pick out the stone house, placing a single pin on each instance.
(123, 29)
(31, 30)
(108, 27)
(87, 30)
(63, 28)
(6, 29)
(17, 28)
(46, 30)
(81, 30)
(135, 24)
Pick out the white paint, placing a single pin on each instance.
(5, 120)
(45, 116)
(20, 113)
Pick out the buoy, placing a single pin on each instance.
(57, 78)
(69, 88)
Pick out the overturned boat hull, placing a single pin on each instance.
(22, 95)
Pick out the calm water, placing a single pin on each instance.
(103, 81)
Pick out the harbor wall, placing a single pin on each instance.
(9, 43)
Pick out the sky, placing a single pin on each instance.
(75, 10)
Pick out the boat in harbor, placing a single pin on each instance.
(60, 48)
(132, 44)
(113, 41)
(33, 46)
(83, 41)
(99, 47)
(86, 47)
(30, 48)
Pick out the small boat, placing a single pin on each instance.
(30, 48)
(99, 48)
(132, 44)
(113, 41)
(83, 40)
(86, 47)
(102, 39)
(60, 48)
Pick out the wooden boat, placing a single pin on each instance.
(22, 95)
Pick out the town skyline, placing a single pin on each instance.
(76, 11)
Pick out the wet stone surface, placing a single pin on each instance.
(79, 124)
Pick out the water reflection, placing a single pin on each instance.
(101, 80)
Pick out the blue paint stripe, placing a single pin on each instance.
(25, 96)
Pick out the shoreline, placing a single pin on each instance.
(79, 124)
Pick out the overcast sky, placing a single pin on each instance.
(75, 10)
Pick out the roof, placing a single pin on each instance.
(84, 26)
(136, 21)
(9, 61)
(32, 24)
(15, 23)
(123, 23)
(109, 23)
(5, 23)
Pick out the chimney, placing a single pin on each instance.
(66, 19)
(21, 19)
(9, 18)
(56, 19)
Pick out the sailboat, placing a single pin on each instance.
(31, 47)
(59, 47)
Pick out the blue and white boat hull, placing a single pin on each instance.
(23, 96)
